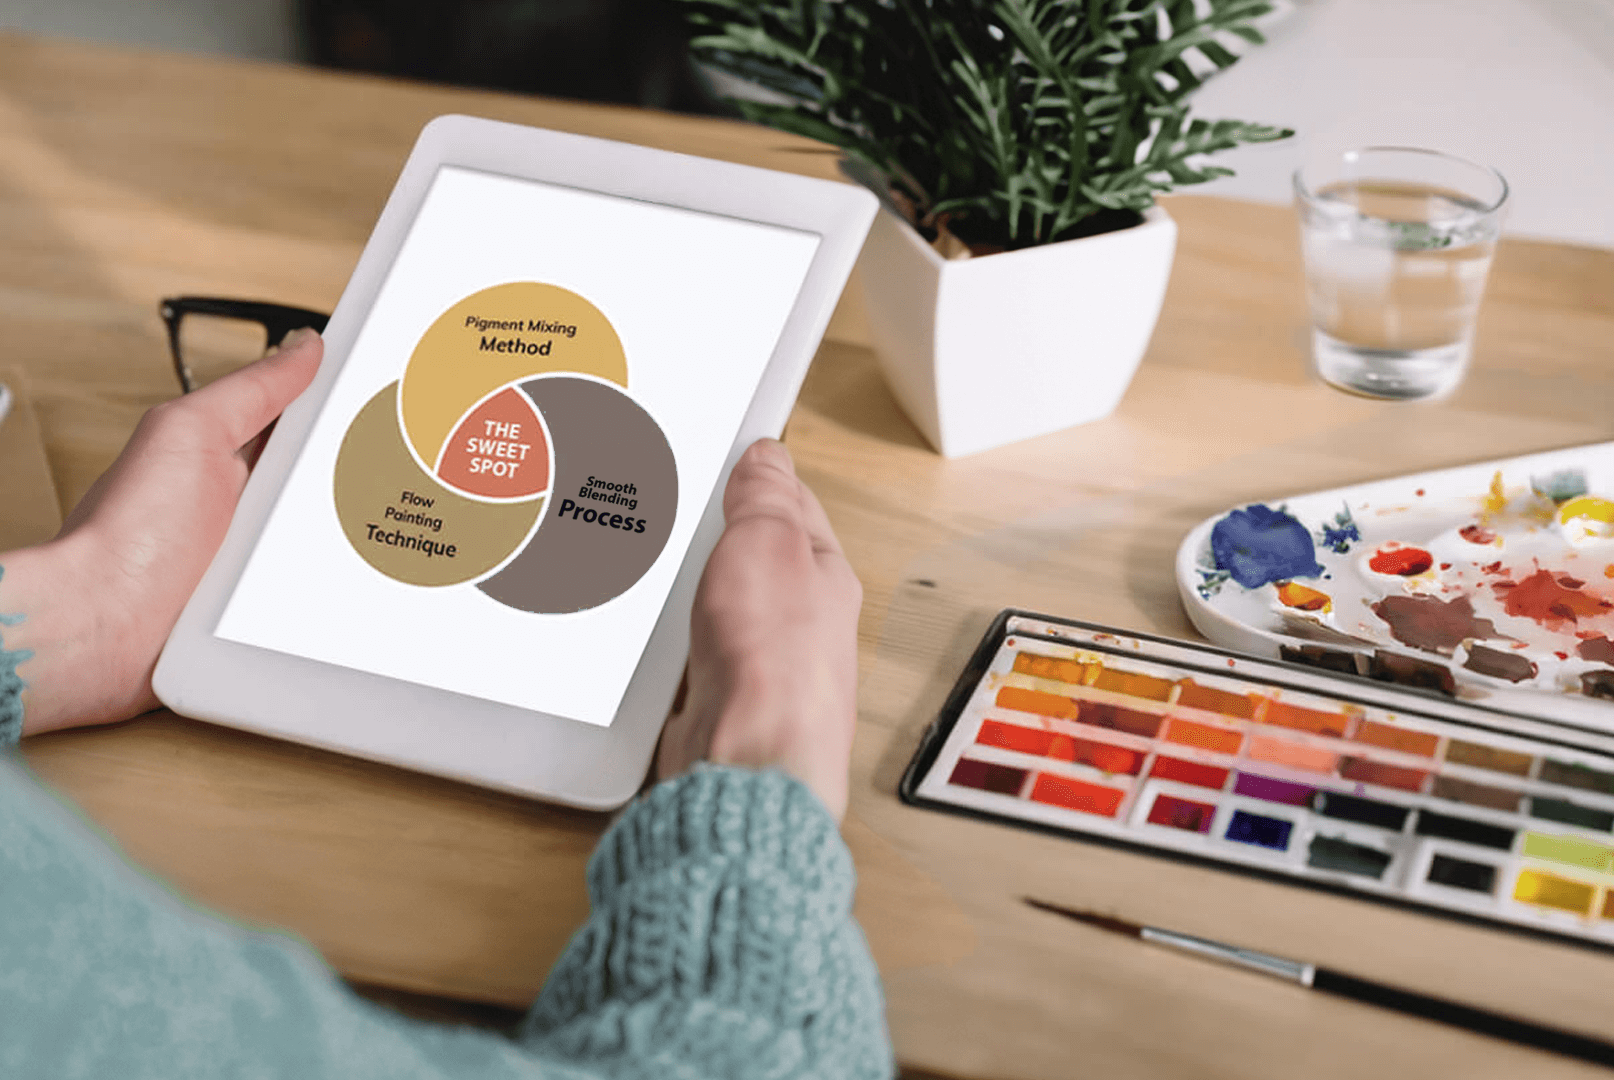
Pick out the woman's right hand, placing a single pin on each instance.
(772, 679)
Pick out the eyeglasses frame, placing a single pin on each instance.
(277, 320)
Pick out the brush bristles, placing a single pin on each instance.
(1091, 918)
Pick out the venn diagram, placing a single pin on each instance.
(511, 455)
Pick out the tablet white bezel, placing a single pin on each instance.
(438, 731)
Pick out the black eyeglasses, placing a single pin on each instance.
(211, 337)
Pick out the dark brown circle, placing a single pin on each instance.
(611, 507)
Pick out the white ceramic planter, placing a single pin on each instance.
(986, 351)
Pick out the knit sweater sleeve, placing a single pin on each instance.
(721, 944)
(10, 684)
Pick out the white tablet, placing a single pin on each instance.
(471, 546)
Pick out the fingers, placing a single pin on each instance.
(763, 484)
(247, 401)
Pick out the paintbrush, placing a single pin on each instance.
(1316, 977)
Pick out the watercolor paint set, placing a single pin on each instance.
(1496, 580)
(1312, 775)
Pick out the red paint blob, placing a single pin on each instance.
(1476, 534)
(1420, 493)
(1548, 601)
(1402, 561)
(1445, 566)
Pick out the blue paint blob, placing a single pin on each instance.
(1338, 535)
(1259, 545)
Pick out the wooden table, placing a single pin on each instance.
(127, 176)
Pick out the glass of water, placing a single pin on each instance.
(1397, 243)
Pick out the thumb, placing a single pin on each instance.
(246, 401)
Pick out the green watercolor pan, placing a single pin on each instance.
(1311, 775)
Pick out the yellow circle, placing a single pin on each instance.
(495, 337)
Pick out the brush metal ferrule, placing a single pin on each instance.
(1276, 966)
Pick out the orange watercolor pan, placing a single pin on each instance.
(1283, 714)
(1195, 696)
(1134, 684)
(1204, 736)
(1076, 795)
(1074, 672)
(1035, 701)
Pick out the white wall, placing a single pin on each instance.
(1524, 85)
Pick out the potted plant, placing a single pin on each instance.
(1016, 275)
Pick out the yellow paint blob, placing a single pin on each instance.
(1588, 506)
(1497, 500)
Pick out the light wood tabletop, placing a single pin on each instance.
(128, 176)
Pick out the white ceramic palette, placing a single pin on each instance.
(1494, 582)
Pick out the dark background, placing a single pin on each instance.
(632, 52)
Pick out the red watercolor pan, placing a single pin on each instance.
(1306, 775)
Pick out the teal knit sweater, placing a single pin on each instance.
(721, 944)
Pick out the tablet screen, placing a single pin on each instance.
(498, 493)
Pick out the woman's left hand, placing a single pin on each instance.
(95, 605)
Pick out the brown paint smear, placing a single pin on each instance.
(1598, 684)
(1598, 648)
(1500, 664)
(1433, 625)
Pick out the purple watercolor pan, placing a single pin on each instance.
(1283, 792)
